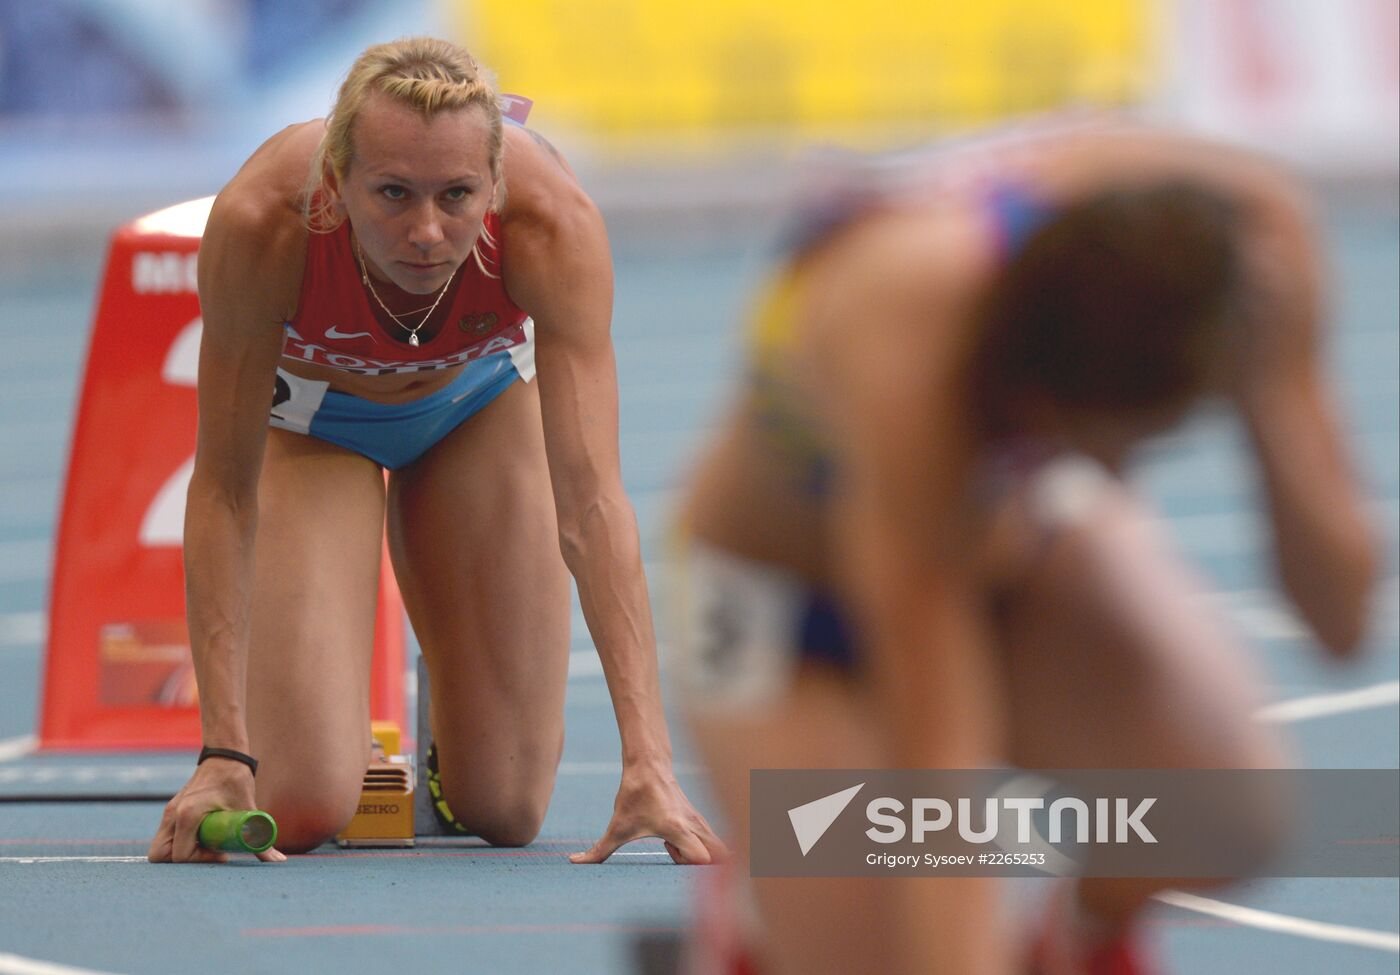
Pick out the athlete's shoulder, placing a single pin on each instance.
(256, 237)
(267, 195)
(916, 249)
(913, 276)
(541, 187)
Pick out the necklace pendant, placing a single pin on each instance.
(413, 339)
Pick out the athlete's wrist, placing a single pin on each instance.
(644, 738)
(214, 752)
(223, 726)
(649, 762)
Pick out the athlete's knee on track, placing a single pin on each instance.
(511, 816)
(512, 827)
(308, 817)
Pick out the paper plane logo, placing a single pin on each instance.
(811, 820)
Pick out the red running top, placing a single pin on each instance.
(335, 324)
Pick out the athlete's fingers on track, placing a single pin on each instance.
(692, 843)
(199, 855)
(689, 849)
(612, 840)
(272, 855)
(163, 845)
(160, 851)
(186, 848)
(599, 851)
(719, 853)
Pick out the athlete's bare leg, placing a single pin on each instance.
(319, 544)
(475, 545)
(838, 925)
(1116, 661)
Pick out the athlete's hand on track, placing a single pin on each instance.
(216, 784)
(650, 803)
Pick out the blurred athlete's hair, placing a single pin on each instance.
(1122, 302)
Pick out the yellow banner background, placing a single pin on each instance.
(633, 67)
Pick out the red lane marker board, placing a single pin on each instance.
(118, 672)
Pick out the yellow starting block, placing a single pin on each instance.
(384, 816)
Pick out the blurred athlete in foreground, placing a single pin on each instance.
(397, 273)
(908, 547)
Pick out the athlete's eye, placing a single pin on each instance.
(393, 191)
(457, 194)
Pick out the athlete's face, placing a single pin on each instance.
(417, 190)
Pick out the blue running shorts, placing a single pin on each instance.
(393, 435)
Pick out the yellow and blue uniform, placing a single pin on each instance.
(748, 625)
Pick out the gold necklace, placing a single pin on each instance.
(412, 332)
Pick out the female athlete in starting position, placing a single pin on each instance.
(397, 273)
(908, 546)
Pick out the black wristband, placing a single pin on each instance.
(248, 760)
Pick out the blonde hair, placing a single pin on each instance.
(424, 73)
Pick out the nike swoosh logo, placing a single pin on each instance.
(334, 332)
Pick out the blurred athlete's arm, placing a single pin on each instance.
(886, 318)
(888, 333)
(1324, 545)
(1323, 541)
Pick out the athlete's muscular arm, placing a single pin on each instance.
(558, 268)
(243, 305)
(249, 273)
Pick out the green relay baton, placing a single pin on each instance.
(238, 831)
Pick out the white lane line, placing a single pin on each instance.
(612, 768)
(1255, 610)
(17, 965)
(1268, 622)
(22, 629)
(173, 775)
(25, 559)
(95, 773)
(1261, 614)
(13, 748)
(48, 859)
(584, 663)
(33, 860)
(1239, 532)
(31, 629)
(1323, 705)
(1283, 923)
(116, 859)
